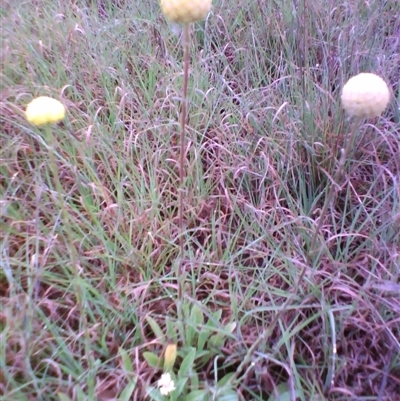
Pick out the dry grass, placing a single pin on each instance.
(265, 129)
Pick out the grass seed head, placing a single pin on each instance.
(365, 95)
(185, 11)
(44, 110)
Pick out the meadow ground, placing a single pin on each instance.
(87, 281)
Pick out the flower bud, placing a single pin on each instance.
(170, 356)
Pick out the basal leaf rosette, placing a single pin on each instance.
(185, 11)
(365, 95)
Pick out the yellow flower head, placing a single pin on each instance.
(185, 10)
(44, 110)
(365, 95)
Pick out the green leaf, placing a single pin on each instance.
(154, 394)
(283, 393)
(155, 327)
(202, 354)
(197, 395)
(63, 397)
(187, 363)
(190, 333)
(128, 391)
(194, 381)
(208, 329)
(171, 330)
(224, 392)
(224, 380)
(203, 337)
(126, 361)
(151, 359)
(80, 395)
(180, 386)
(217, 340)
(228, 395)
(217, 315)
(211, 324)
(230, 327)
(196, 315)
(196, 319)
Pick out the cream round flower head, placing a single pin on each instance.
(185, 10)
(365, 95)
(44, 110)
(166, 384)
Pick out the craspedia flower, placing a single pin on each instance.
(44, 110)
(365, 95)
(185, 10)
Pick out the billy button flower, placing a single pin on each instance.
(44, 110)
(365, 95)
(185, 11)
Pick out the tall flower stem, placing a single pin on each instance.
(182, 192)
